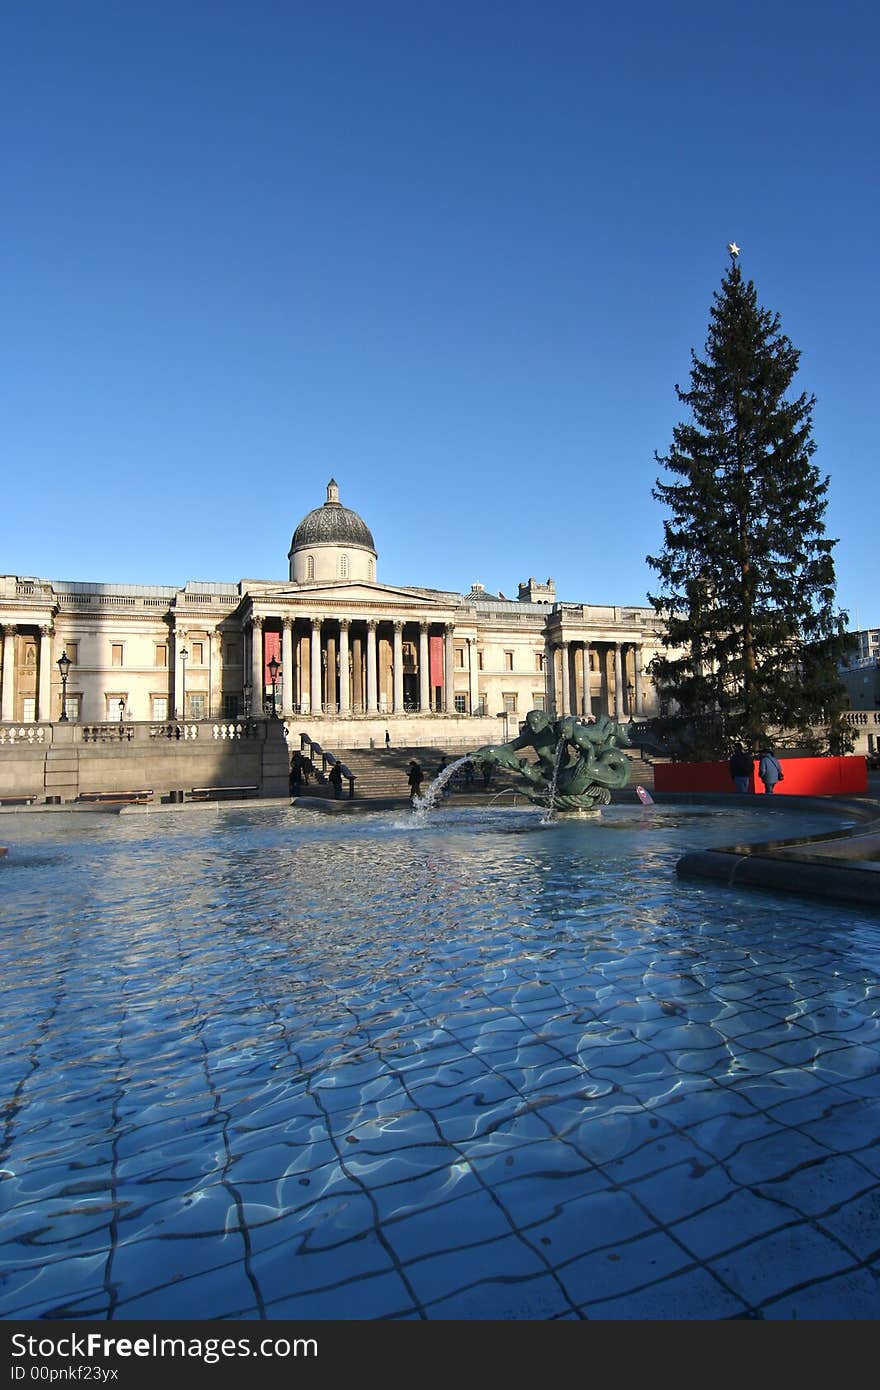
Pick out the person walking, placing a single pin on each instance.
(770, 771)
(741, 764)
(414, 777)
(387, 740)
(335, 778)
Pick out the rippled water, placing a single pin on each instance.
(272, 1064)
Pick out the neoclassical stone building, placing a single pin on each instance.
(349, 649)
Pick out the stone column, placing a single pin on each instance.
(178, 637)
(637, 676)
(424, 671)
(215, 674)
(449, 671)
(344, 668)
(473, 674)
(618, 683)
(587, 705)
(372, 684)
(8, 698)
(330, 674)
(550, 676)
(258, 670)
(287, 671)
(565, 651)
(44, 687)
(315, 667)
(397, 667)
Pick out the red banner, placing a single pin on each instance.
(436, 664)
(271, 647)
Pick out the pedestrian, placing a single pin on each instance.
(741, 764)
(296, 774)
(486, 769)
(335, 778)
(414, 777)
(387, 740)
(770, 770)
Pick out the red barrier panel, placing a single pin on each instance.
(803, 777)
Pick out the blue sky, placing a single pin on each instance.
(455, 255)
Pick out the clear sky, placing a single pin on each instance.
(455, 255)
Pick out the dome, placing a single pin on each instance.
(332, 524)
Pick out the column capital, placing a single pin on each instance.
(449, 628)
(10, 629)
(471, 641)
(372, 624)
(257, 620)
(316, 623)
(287, 624)
(423, 626)
(398, 625)
(344, 624)
(46, 629)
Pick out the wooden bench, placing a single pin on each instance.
(218, 793)
(141, 795)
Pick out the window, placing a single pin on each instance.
(73, 706)
(159, 706)
(593, 662)
(459, 658)
(230, 706)
(111, 705)
(538, 700)
(508, 661)
(310, 567)
(197, 708)
(461, 704)
(479, 661)
(161, 654)
(116, 654)
(29, 709)
(198, 653)
(539, 662)
(509, 702)
(72, 649)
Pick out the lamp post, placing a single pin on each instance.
(274, 668)
(183, 656)
(121, 713)
(63, 664)
(629, 698)
(247, 692)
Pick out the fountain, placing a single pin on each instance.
(467, 1068)
(574, 765)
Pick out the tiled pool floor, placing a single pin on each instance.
(271, 1066)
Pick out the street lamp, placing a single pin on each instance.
(274, 668)
(183, 656)
(121, 713)
(629, 697)
(248, 691)
(63, 664)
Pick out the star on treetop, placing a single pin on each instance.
(733, 249)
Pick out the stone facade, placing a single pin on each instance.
(353, 653)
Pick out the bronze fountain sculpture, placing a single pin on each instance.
(574, 764)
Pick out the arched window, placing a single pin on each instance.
(343, 566)
(310, 567)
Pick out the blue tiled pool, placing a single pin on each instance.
(269, 1064)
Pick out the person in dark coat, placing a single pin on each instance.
(740, 765)
(414, 777)
(335, 778)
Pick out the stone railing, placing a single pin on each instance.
(39, 735)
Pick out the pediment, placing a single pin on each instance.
(357, 593)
